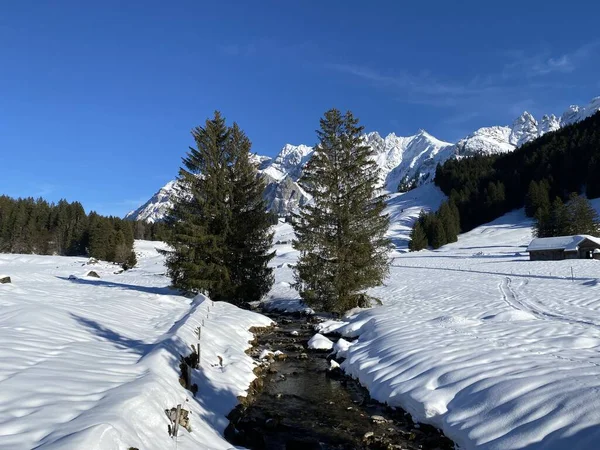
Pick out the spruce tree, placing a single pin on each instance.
(250, 238)
(438, 237)
(220, 230)
(341, 234)
(200, 215)
(582, 216)
(418, 238)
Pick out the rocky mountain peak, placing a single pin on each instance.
(400, 159)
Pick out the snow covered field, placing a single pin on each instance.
(498, 351)
(92, 363)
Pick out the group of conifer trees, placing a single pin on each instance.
(36, 226)
(484, 187)
(557, 218)
(435, 229)
(220, 229)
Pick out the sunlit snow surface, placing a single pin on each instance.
(91, 363)
(498, 351)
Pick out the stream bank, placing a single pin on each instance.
(299, 402)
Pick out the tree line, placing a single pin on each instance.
(435, 229)
(220, 230)
(484, 187)
(557, 218)
(36, 226)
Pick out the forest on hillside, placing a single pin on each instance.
(35, 226)
(486, 187)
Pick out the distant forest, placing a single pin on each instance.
(39, 227)
(482, 188)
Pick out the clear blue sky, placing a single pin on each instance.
(97, 98)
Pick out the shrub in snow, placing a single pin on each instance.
(92, 274)
(4, 280)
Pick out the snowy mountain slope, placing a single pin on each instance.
(157, 207)
(500, 352)
(399, 158)
(92, 363)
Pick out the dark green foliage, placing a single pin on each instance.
(554, 165)
(407, 184)
(418, 238)
(538, 197)
(582, 218)
(439, 228)
(36, 226)
(149, 231)
(250, 239)
(438, 234)
(576, 217)
(219, 227)
(341, 234)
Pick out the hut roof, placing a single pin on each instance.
(566, 243)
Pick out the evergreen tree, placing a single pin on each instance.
(448, 218)
(200, 215)
(418, 238)
(582, 216)
(341, 234)
(219, 223)
(532, 199)
(438, 237)
(560, 224)
(250, 239)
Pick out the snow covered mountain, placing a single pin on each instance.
(401, 159)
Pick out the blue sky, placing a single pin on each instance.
(97, 99)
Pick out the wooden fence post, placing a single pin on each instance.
(176, 425)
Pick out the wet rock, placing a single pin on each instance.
(294, 348)
(298, 443)
(378, 419)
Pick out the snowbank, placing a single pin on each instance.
(320, 342)
(93, 363)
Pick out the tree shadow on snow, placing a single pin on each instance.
(122, 342)
(129, 287)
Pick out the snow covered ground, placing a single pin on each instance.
(498, 351)
(91, 363)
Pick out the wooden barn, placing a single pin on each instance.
(564, 247)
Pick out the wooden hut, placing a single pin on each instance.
(580, 246)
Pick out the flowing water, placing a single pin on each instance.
(301, 404)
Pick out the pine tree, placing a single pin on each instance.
(532, 199)
(418, 238)
(582, 216)
(250, 239)
(341, 234)
(200, 215)
(220, 227)
(438, 237)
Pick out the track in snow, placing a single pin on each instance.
(515, 301)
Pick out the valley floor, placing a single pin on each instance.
(92, 363)
(498, 351)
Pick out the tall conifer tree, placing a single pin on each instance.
(341, 233)
(250, 238)
(220, 227)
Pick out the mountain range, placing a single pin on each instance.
(402, 160)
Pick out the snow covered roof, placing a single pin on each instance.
(566, 243)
